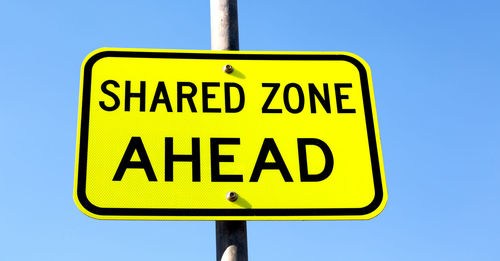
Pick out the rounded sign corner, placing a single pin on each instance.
(83, 206)
(376, 207)
(358, 62)
(93, 57)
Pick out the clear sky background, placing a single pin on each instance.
(436, 75)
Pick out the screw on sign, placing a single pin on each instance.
(228, 68)
(232, 196)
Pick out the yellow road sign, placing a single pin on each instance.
(167, 134)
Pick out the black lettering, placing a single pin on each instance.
(116, 100)
(135, 144)
(216, 158)
(194, 158)
(324, 100)
(205, 96)
(286, 98)
(227, 97)
(339, 97)
(161, 90)
(187, 96)
(141, 95)
(270, 146)
(265, 108)
(304, 172)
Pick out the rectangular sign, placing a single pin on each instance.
(227, 135)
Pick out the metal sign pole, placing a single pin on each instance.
(231, 240)
(231, 236)
(224, 25)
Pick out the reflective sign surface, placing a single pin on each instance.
(166, 134)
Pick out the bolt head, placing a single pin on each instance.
(232, 196)
(228, 68)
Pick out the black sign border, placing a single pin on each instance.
(173, 212)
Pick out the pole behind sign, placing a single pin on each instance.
(231, 236)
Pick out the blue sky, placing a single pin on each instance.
(436, 78)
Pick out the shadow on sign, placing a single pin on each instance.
(242, 202)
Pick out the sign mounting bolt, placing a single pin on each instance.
(232, 196)
(228, 68)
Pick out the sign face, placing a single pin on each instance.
(165, 135)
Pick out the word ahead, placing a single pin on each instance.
(167, 134)
(268, 147)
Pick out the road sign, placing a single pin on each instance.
(168, 135)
